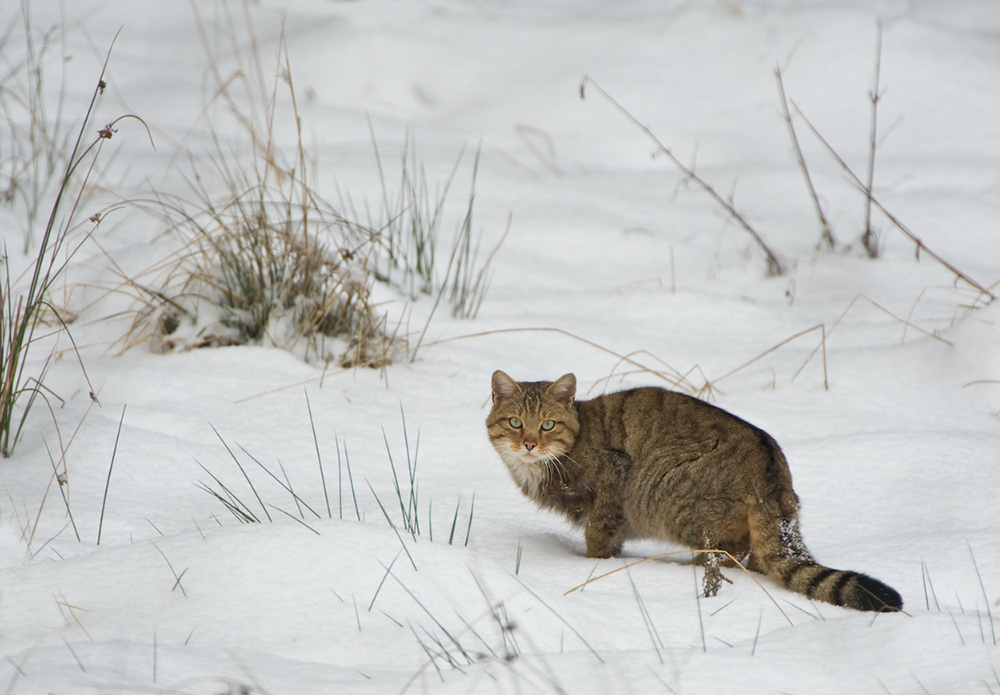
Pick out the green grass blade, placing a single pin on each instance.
(393, 526)
(561, 619)
(245, 476)
(319, 460)
(472, 510)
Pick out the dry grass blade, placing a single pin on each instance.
(670, 378)
(676, 380)
(684, 552)
(828, 333)
(905, 322)
(819, 327)
(774, 265)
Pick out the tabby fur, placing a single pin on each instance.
(653, 463)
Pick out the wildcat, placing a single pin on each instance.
(653, 463)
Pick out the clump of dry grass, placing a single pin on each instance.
(252, 276)
(266, 260)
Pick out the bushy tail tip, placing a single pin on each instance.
(872, 595)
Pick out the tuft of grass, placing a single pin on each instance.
(407, 491)
(241, 504)
(245, 513)
(24, 311)
(411, 223)
(270, 264)
(465, 285)
(450, 650)
(266, 261)
(562, 620)
(411, 231)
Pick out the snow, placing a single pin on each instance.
(896, 463)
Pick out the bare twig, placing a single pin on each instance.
(892, 218)
(685, 552)
(774, 265)
(870, 239)
(826, 234)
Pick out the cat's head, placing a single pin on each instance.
(532, 423)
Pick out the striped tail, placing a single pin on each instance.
(839, 587)
(784, 558)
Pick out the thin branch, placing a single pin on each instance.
(870, 239)
(892, 218)
(774, 266)
(826, 234)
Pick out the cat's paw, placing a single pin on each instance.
(603, 548)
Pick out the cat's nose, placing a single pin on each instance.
(529, 445)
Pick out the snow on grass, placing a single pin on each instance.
(895, 463)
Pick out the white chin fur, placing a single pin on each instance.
(527, 470)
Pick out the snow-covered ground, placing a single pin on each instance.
(610, 253)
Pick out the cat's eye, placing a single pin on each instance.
(515, 422)
(548, 424)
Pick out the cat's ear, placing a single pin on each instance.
(504, 387)
(563, 389)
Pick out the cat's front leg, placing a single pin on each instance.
(606, 523)
(605, 530)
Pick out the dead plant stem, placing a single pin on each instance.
(684, 552)
(114, 452)
(892, 218)
(774, 265)
(870, 239)
(826, 235)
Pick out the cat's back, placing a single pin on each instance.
(636, 419)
